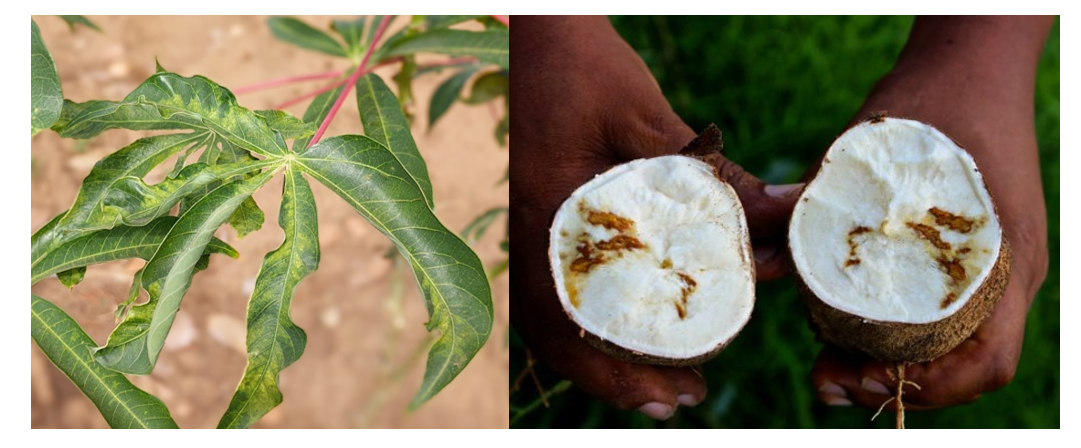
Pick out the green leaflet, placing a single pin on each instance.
(353, 33)
(118, 243)
(385, 123)
(481, 224)
(288, 29)
(274, 341)
(288, 126)
(88, 213)
(46, 99)
(134, 345)
(375, 183)
(71, 277)
(488, 87)
(62, 340)
(489, 46)
(503, 128)
(446, 94)
(80, 20)
(170, 101)
(436, 22)
(247, 218)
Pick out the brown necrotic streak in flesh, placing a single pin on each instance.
(953, 222)
(930, 234)
(852, 260)
(688, 288)
(609, 221)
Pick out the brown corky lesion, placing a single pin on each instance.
(688, 288)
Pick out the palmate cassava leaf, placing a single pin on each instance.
(170, 101)
(118, 243)
(385, 123)
(62, 340)
(274, 341)
(489, 46)
(135, 344)
(446, 94)
(375, 183)
(288, 29)
(46, 99)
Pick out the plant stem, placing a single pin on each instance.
(352, 80)
(286, 80)
(503, 19)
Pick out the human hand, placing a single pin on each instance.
(973, 79)
(583, 102)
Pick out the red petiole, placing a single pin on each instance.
(352, 80)
(286, 80)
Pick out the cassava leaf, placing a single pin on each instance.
(436, 22)
(118, 243)
(375, 183)
(80, 20)
(293, 31)
(352, 31)
(288, 126)
(446, 94)
(135, 344)
(71, 277)
(488, 87)
(274, 341)
(247, 218)
(133, 161)
(475, 230)
(66, 344)
(404, 81)
(385, 123)
(489, 46)
(170, 101)
(46, 99)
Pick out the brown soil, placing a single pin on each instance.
(359, 335)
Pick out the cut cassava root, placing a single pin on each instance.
(896, 244)
(652, 260)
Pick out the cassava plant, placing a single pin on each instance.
(117, 215)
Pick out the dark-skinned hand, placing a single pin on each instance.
(583, 102)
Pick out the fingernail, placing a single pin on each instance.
(763, 255)
(873, 386)
(834, 390)
(687, 400)
(658, 411)
(836, 401)
(780, 191)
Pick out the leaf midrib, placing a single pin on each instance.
(413, 262)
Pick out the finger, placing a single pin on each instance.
(689, 384)
(771, 259)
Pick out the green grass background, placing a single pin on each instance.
(781, 89)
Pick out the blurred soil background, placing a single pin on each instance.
(781, 89)
(363, 315)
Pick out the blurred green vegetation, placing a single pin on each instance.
(781, 89)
